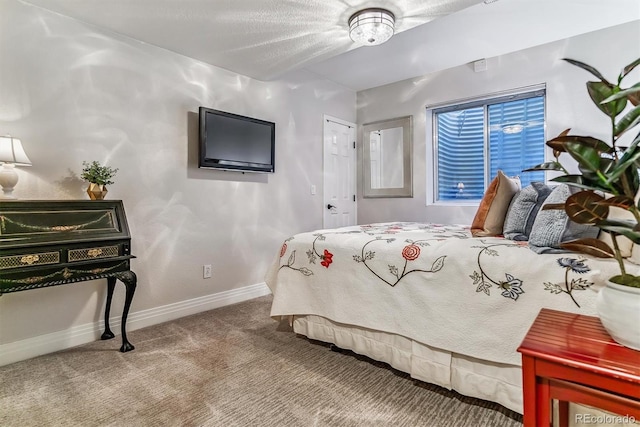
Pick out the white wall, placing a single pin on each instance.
(72, 92)
(568, 105)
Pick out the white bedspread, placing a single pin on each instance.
(432, 283)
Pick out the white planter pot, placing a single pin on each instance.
(619, 311)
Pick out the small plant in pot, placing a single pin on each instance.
(99, 177)
(608, 179)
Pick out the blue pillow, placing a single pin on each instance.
(552, 226)
(523, 211)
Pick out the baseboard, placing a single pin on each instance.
(82, 334)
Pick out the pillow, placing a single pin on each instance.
(490, 215)
(552, 227)
(523, 210)
(624, 244)
(634, 258)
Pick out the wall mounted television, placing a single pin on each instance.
(237, 143)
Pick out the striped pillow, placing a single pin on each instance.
(523, 211)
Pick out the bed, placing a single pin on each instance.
(429, 299)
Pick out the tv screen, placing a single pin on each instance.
(232, 142)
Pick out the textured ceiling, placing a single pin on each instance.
(265, 39)
(477, 32)
(258, 38)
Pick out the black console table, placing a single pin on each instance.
(46, 243)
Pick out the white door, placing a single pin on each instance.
(339, 173)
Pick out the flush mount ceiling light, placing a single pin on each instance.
(511, 129)
(372, 26)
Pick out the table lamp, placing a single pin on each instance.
(11, 155)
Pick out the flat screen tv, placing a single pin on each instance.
(237, 143)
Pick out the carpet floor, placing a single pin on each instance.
(233, 366)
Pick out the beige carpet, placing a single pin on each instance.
(233, 366)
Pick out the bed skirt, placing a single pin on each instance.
(471, 377)
(477, 378)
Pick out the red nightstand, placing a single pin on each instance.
(571, 358)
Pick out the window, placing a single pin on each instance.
(475, 139)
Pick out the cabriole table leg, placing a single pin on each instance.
(129, 279)
(111, 285)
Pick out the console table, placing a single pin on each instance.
(47, 243)
(571, 358)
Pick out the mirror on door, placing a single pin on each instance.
(387, 158)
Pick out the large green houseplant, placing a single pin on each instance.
(608, 179)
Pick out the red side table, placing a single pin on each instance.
(571, 358)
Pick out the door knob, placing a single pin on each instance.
(330, 206)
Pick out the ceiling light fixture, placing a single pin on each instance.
(371, 26)
(512, 128)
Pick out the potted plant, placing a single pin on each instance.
(99, 177)
(608, 179)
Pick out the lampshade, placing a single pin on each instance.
(11, 151)
(371, 26)
(11, 155)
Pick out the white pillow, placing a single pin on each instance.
(624, 243)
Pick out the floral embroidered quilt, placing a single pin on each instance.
(432, 283)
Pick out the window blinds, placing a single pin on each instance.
(474, 141)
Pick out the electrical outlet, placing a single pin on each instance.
(206, 271)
